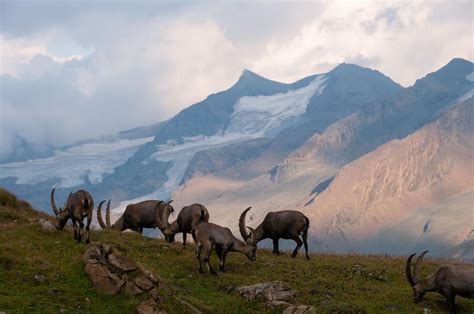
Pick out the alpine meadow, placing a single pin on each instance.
(241, 157)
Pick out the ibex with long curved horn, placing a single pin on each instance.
(136, 216)
(77, 206)
(188, 219)
(209, 236)
(449, 281)
(285, 224)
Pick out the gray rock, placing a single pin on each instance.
(121, 262)
(112, 273)
(273, 293)
(154, 294)
(40, 277)
(93, 252)
(46, 225)
(143, 283)
(299, 309)
(132, 289)
(99, 275)
(148, 306)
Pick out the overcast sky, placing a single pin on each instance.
(79, 69)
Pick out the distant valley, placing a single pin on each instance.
(377, 167)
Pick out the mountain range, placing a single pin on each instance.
(378, 168)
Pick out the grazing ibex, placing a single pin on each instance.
(285, 224)
(209, 236)
(77, 206)
(449, 281)
(136, 216)
(188, 219)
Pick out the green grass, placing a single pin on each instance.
(331, 283)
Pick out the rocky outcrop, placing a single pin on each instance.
(299, 309)
(112, 273)
(46, 224)
(274, 293)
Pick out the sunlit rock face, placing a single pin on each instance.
(352, 131)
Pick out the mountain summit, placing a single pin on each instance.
(272, 146)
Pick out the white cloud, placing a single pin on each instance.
(116, 67)
(404, 40)
(15, 53)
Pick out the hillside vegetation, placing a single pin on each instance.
(43, 271)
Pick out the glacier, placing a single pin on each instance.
(76, 165)
(253, 117)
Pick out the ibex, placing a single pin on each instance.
(285, 224)
(136, 216)
(209, 236)
(77, 206)
(188, 219)
(449, 281)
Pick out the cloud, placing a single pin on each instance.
(143, 73)
(77, 70)
(404, 40)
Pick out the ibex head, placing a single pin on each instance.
(414, 277)
(62, 215)
(252, 247)
(163, 211)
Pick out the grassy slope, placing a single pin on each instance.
(328, 282)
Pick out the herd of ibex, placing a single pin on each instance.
(449, 281)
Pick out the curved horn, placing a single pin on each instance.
(99, 216)
(107, 215)
(53, 203)
(158, 215)
(65, 202)
(417, 269)
(252, 235)
(169, 202)
(165, 214)
(242, 228)
(408, 271)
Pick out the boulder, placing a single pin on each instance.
(299, 309)
(121, 262)
(99, 275)
(148, 306)
(112, 273)
(46, 225)
(143, 283)
(132, 289)
(274, 293)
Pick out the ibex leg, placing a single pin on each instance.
(224, 254)
(299, 243)
(81, 231)
(450, 299)
(305, 242)
(276, 249)
(184, 238)
(74, 225)
(89, 220)
(207, 259)
(198, 256)
(221, 262)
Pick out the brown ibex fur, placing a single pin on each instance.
(188, 219)
(449, 281)
(285, 224)
(77, 206)
(136, 216)
(209, 236)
